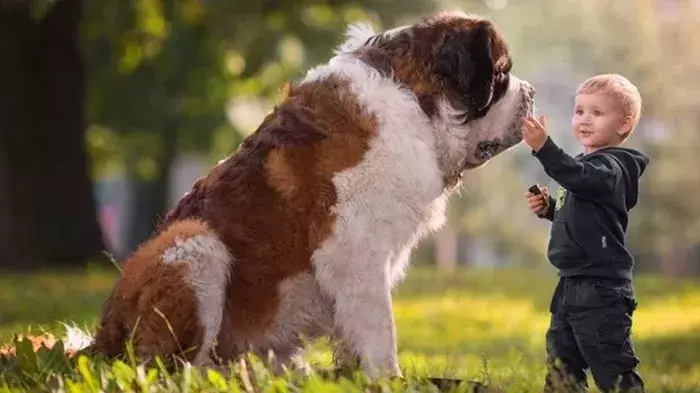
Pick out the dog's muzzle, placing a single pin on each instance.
(487, 149)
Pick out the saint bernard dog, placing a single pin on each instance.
(305, 229)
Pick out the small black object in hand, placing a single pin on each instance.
(537, 190)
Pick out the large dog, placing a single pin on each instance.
(305, 229)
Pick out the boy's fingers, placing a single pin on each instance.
(536, 205)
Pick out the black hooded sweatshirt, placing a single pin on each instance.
(589, 214)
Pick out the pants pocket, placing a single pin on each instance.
(615, 346)
(630, 303)
(604, 337)
(614, 332)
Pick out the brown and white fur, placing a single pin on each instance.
(305, 229)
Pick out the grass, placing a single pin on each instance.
(484, 325)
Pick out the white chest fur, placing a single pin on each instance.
(394, 196)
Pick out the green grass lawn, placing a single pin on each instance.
(485, 325)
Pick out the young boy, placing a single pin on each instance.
(593, 302)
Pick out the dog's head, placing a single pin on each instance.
(459, 67)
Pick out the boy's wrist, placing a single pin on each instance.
(540, 145)
(546, 144)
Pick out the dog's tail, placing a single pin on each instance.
(77, 340)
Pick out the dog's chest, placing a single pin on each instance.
(303, 308)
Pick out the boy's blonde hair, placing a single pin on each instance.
(621, 89)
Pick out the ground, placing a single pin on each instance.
(484, 325)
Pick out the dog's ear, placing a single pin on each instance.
(467, 67)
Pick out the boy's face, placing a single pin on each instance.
(598, 121)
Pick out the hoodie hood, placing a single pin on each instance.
(633, 163)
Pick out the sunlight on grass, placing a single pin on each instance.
(465, 320)
(668, 317)
(490, 324)
(484, 325)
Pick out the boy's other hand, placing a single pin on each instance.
(536, 202)
(534, 132)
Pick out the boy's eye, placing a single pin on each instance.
(579, 112)
(598, 113)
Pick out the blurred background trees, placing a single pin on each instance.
(110, 109)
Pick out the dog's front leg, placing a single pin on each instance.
(344, 358)
(363, 315)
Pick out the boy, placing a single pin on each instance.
(594, 300)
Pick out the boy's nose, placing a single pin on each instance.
(583, 119)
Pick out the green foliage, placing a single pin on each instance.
(170, 68)
(479, 325)
(39, 8)
(155, 73)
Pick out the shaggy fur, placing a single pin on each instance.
(305, 229)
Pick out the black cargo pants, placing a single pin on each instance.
(590, 329)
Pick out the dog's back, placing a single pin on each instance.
(236, 250)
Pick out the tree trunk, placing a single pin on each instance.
(5, 209)
(17, 34)
(51, 197)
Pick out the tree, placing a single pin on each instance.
(48, 212)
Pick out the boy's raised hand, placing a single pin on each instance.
(534, 132)
(536, 202)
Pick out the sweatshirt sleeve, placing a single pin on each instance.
(590, 178)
